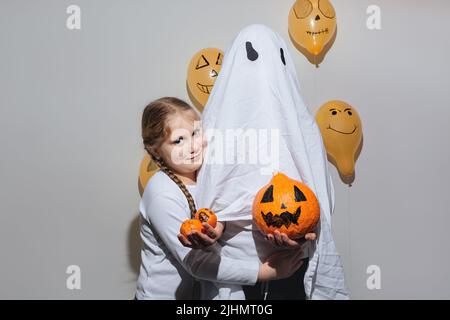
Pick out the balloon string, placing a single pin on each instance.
(349, 234)
(315, 86)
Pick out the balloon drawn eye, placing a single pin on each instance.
(349, 113)
(334, 112)
(282, 56)
(252, 55)
(219, 59)
(327, 9)
(302, 8)
(202, 62)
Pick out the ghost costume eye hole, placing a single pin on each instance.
(303, 8)
(252, 55)
(327, 9)
(282, 56)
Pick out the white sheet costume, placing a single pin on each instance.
(257, 94)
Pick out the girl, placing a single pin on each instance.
(173, 137)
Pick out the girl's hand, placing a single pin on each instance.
(200, 240)
(282, 240)
(280, 265)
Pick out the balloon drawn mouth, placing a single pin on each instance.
(354, 129)
(204, 88)
(314, 33)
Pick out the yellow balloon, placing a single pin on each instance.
(341, 130)
(202, 73)
(147, 169)
(312, 25)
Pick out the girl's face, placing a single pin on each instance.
(183, 149)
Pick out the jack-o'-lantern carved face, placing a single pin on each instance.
(312, 24)
(286, 205)
(202, 73)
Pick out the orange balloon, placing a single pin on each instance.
(202, 73)
(147, 169)
(341, 130)
(312, 24)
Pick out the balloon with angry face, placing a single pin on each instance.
(202, 73)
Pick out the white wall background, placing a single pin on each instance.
(71, 103)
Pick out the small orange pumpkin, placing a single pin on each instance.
(190, 225)
(286, 205)
(206, 215)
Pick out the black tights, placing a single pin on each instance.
(291, 288)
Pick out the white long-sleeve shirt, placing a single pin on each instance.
(167, 266)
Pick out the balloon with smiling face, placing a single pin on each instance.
(312, 25)
(341, 130)
(202, 73)
(286, 205)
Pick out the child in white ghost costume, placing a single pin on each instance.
(257, 92)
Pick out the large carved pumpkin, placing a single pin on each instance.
(286, 205)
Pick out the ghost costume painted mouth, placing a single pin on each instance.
(354, 129)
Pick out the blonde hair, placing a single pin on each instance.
(155, 131)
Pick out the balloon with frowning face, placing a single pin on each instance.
(312, 24)
(341, 131)
(202, 73)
